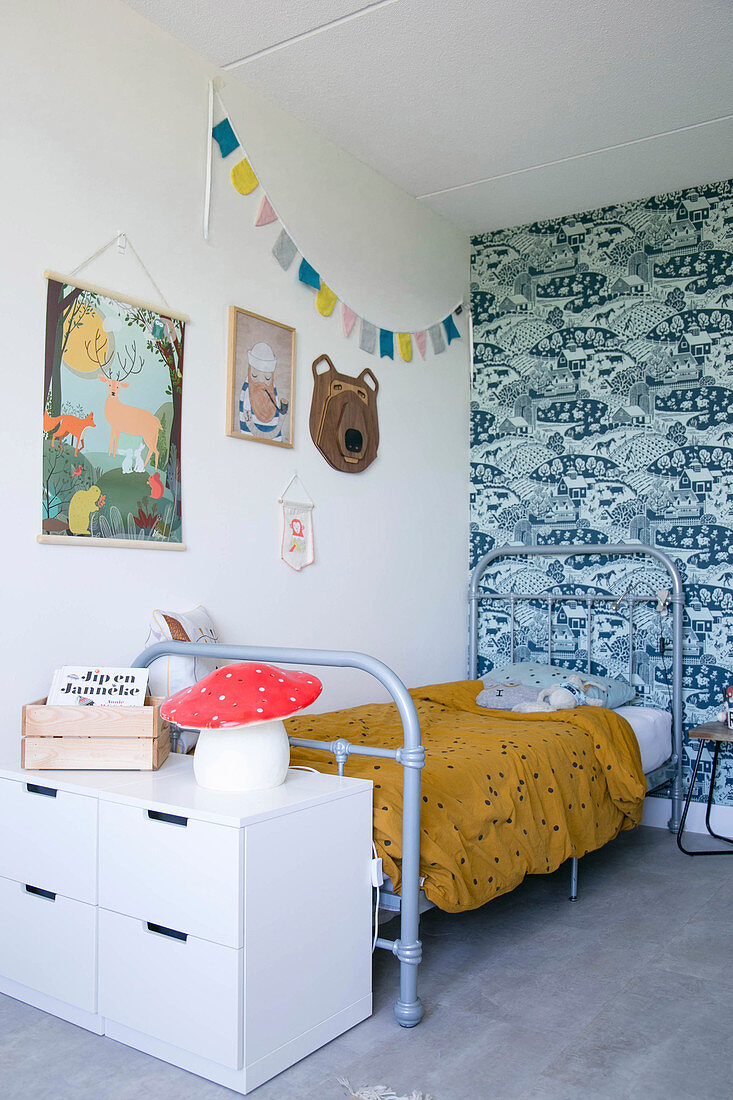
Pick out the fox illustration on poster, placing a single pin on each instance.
(111, 419)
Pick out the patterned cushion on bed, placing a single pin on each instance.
(612, 693)
(171, 673)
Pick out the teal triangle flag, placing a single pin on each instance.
(309, 275)
(451, 331)
(225, 136)
(386, 344)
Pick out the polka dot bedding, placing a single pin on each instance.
(504, 795)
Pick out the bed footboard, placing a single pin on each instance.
(407, 949)
(478, 592)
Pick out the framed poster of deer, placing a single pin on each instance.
(111, 420)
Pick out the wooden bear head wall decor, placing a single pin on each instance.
(343, 420)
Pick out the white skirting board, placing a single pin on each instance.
(88, 1020)
(249, 1077)
(657, 812)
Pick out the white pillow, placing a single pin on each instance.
(167, 675)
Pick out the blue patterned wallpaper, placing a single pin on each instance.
(601, 412)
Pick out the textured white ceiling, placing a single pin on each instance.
(470, 105)
(227, 30)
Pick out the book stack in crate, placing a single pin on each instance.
(95, 719)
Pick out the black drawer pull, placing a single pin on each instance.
(33, 788)
(49, 894)
(172, 819)
(161, 930)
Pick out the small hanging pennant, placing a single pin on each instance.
(420, 342)
(265, 215)
(436, 338)
(451, 331)
(309, 275)
(368, 338)
(386, 344)
(243, 178)
(284, 250)
(404, 343)
(348, 317)
(297, 545)
(325, 300)
(225, 137)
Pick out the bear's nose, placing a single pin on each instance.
(354, 440)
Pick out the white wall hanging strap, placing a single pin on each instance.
(302, 491)
(122, 241)
(209, 154)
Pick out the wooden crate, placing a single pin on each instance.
(94, 738)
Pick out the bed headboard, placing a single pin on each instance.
(636, 592)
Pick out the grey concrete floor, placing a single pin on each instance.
(622, 995)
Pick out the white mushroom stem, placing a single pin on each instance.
(242, 758)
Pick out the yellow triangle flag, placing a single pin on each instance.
(243, 177)
(404, 343)
(325, 300)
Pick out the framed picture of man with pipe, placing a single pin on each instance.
(261, 381)
(111, 419)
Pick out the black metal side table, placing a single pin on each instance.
(720, 734)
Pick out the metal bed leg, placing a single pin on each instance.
(408, 1009)
(677, 802)
(677, 792)
(573, 879)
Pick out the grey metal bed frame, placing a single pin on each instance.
(407, 948)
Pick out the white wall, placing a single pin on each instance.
(104, 121)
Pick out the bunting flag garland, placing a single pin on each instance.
(404, 343)
(325, 300)
(386, 344)
(309, 275)
(347, 318)
(265, 215)
(225, 137)
(243, 177)
(451, 331)
(368, 338)
(285, 250)
(436, 339)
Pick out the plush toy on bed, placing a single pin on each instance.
(570, 693)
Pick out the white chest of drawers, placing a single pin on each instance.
(229, 934)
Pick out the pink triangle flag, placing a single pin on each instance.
(420, 341)
(266, 215)
(347, 318)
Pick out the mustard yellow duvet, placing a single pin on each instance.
(503, 795)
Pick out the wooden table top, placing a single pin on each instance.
(712, 731)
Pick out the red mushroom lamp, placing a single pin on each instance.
(239, 710)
